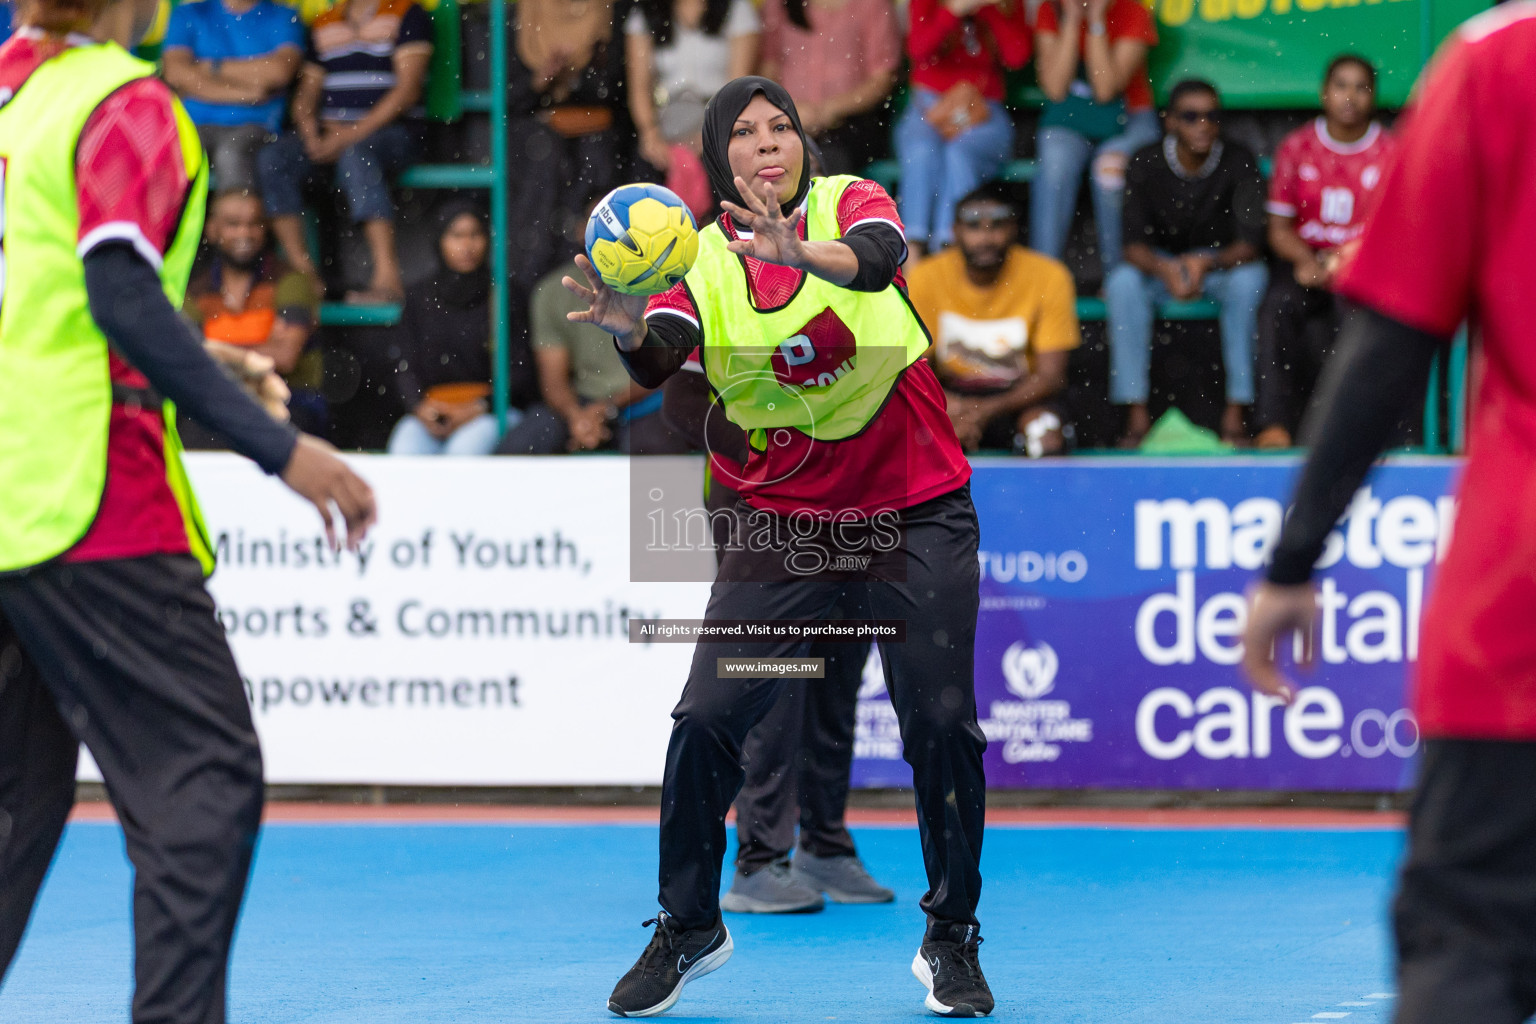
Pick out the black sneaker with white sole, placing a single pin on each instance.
(674, 958)
(949, 964)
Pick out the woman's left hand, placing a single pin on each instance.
(774, 236)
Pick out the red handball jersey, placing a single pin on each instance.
(131, 184)
(908, 455)
(1328, 186)
(1451, 240)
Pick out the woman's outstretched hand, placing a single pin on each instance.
(774, 238)
(622, 316)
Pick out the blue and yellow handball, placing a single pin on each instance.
(641, 239)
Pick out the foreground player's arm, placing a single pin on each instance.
(129, 306)
(1375, 377)
(1414, 275)
(1376, 374)
(131, 179)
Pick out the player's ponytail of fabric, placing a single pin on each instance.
(60, 17)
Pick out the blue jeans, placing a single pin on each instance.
(477, 437)
(935, 174)
(363, 172)
(1063, 154)
(1131, 298)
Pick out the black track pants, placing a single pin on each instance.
(1465, 916)
(930, 677)
(127, 657)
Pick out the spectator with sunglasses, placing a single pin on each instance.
(1004, 321)
(1194, 227)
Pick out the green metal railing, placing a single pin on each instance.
(501, 355)
(449, 104)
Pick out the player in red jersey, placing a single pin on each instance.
(1325, 176)
(799, 758)
(799, 282)
(107, 633)
(1450, 241)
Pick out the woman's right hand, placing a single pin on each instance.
(622, 316)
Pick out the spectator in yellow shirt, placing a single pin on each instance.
(1003, 320)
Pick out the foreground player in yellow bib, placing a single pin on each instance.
(854, 493)
(107, 633)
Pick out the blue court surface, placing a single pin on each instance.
(505, 922)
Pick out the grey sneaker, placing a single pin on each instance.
(769, 890)
(843, 879)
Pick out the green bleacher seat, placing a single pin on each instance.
(1017, 170)
(447, 176)
(341, 314)
(888, 172)
(1092, 309)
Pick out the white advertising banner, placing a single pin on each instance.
(478, 637)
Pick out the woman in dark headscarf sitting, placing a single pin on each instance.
(444, 373)
(854, 487)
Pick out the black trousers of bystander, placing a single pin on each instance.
(798, 762)
(1297, 329)
(127, 657)
(799, 758)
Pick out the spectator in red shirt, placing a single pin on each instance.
(955, 132)
(1092, 65)
(1449, 241)
(112, 641)
(1325, 174)
(839, 59)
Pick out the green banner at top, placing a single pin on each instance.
(1271, 53)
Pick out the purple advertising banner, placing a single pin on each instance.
(1111, 614)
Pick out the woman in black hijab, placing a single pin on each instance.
(855, 493)
(444, 373)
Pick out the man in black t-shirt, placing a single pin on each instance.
(1194, 227)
